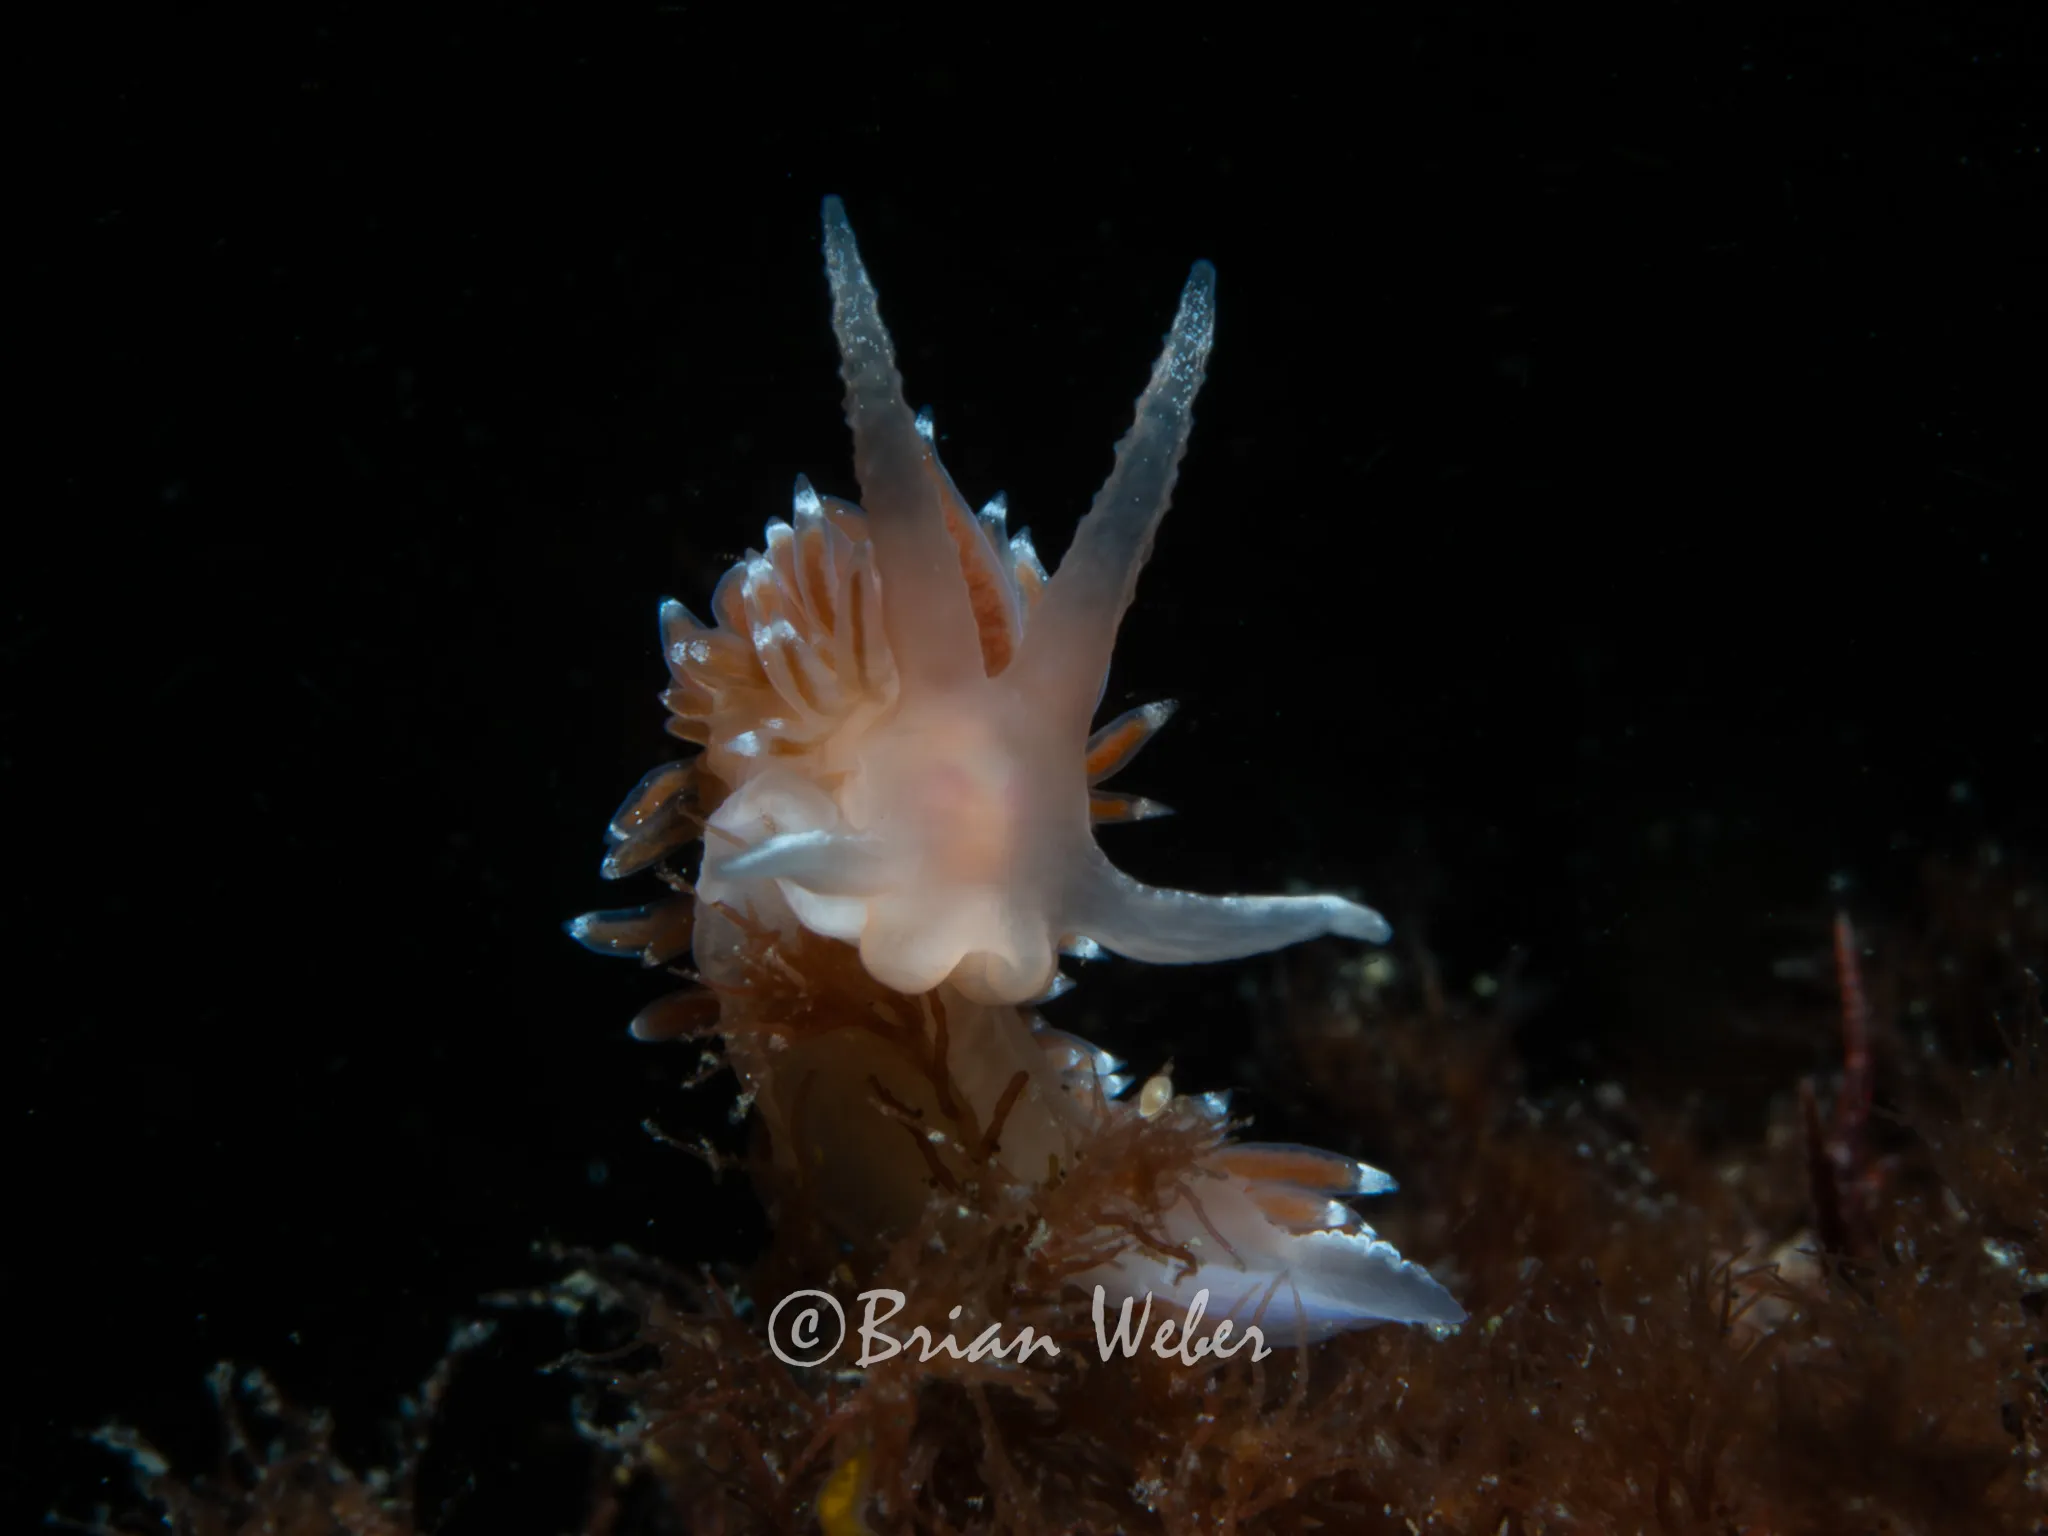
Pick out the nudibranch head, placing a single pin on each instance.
(899, 700)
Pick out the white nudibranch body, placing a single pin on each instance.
(894, 704)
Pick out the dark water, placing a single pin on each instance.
(1611, 534)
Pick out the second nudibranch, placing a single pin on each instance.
(942, 819)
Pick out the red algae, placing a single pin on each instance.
(1658, 1341)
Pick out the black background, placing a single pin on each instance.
(1612, 531)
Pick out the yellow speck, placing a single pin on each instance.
(840, 1500)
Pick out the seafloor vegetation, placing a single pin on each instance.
(1802, 1290)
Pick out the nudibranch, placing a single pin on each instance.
(897, 791)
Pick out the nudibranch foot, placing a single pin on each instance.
(1313, 1285)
